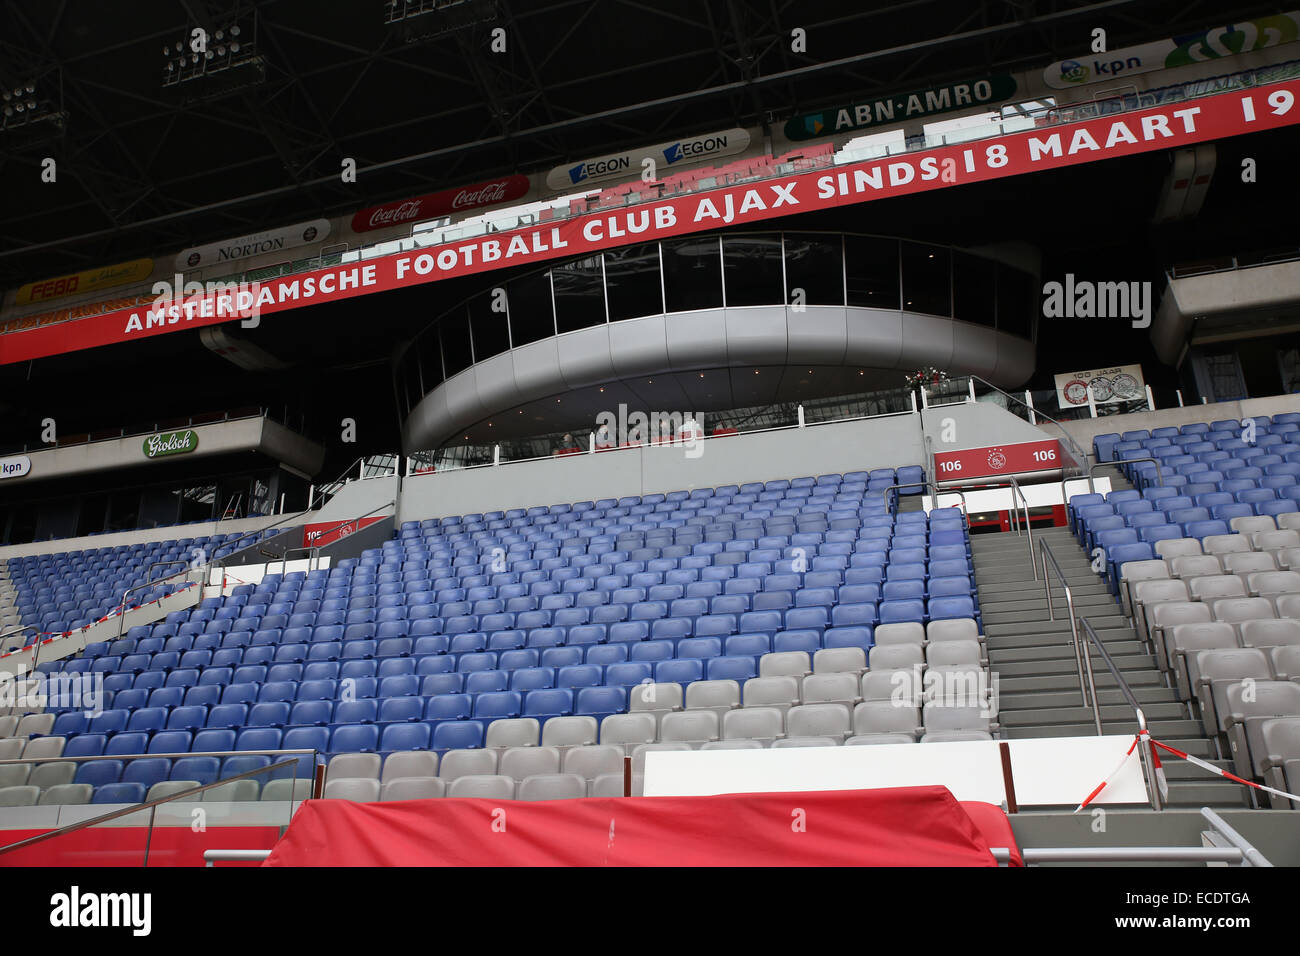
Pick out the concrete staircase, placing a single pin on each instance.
(9, 616)
(1038, 679)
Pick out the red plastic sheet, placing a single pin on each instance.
(913, 826)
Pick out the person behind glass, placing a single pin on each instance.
(603, 441)
(722, 429)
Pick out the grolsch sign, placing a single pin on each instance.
(171, 443)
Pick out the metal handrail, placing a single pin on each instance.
(1160, 477)
(1045, 554)
(122, 608)
(314, 551)
(1144, 744)
(150, 805)
(1114, 854)
(1014, 485)
(925, 483)
(1080, 456)
(1252, 856)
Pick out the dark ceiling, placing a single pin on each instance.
(144, 168)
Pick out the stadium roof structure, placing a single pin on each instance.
(412, 92)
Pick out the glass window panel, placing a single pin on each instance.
(456, 355)
(752, 265)
(488, 326)
(872, 271)
(430, 350)
(692, 274)
(531, 318)
(410, 377)
(1017, 301)
(974, 288)
(927, 283)
(815, 264)
(632, 282)
(579, 294)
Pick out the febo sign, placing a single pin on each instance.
(327, 532)
(997, 460)
(433, 205)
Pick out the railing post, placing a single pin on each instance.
(1029, 403)
(801, 416)
(914, 408)
(1092, 403)
(1151, 401)
(970, 383)
(496, 455)
(1179, 393)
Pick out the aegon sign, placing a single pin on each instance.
(15, 467)
(1012, 154)
(444, 203)
(171, 443)
(254, 244)
(627, 165)
(900, 107)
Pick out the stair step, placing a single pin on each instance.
(1058, 652)
(1163, 730)
(1064, 666)
(1002, 642)
(1069, 683)
(1110, 714)
(1062, 697)
(1060, 626)
(1039, 603)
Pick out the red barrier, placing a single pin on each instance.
(912, 826)
(125, 846)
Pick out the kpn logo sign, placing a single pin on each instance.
(626, 165)
(171, 443)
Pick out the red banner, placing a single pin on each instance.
(433, 205)
(906, 826)
(997, 460)
(327, 532)
(1125, 134)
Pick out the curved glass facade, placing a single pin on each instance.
(716, 271)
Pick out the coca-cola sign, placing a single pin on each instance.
(433, 205)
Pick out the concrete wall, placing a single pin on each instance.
(835, 447)
(357, 499)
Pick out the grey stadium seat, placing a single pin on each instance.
(952, 629)
(1172, 548)
(902, 684)
(14, 774)
(764, 724)
(1213, 671)
(871, 739)
(514, 732)
(1288, 559)
(353, 766)
(1131, 572)
(78, 794)
(1268, 583)
(1275, 540)
(1289, 521)
(656, 699)
(19, 796)
(895, 657)
(34, 725)
(1245, 709)
(238, 791)
(1281, 756)
(552, 786)
(949, 653)
(570, 732)
(409, 763)
(520, 762)
(1286, 662)
(1274, 633)
(792, 742)
(739, 743)
(834, 660)
(43, 748)
(1217, 587)
(943, 718)
(1182, 640)
(1194, 566)
(1145, 595)
(412, 788)
(908, 632)
(689, 727)
(819, 720)
(286, 789)
(479, 786)
(1245, 562)
(835, 688)
(1166, 616)
(954, 736)
(1225, 543)
(169, 788)
(11, 748)
(779, 692)
(883, 717)
(590, 762)
(8, 725)
(611, 785)
(628, 730)
(638, 755)
(46, 775)
(1288, 605)
(785, 664)
(718, 696)
(1249, 524)
(467, 763)
(1235, 610)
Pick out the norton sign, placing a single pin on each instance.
(899, 107)
(255, 244)
(171, 443)
(680, 152)
(1152, 129)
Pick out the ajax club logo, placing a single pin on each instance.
(997, 460)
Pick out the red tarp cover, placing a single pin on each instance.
(911, 826)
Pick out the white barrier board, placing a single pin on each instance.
(1051, 771)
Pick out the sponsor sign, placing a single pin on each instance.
(327, 532)
(679, 152)
(1127, 134)
(997, 460)
(1209, 44)
(899, 107)
(15, 467)
(171, 443)
(445, 203)
(137, 270)
(1110, 386)
(254, 244)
